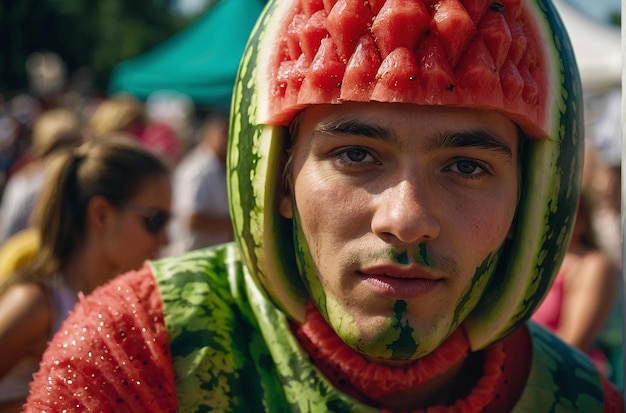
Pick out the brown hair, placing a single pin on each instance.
(55, 129)
(117, 114)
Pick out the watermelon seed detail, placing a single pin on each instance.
(497, 7)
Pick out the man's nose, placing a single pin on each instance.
(406, 213)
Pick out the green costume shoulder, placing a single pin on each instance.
(233, 350)
(561, 379)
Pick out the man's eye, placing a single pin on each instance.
(466, 167)
(355, 155)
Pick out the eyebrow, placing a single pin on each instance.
(353, 127)
(474, 138)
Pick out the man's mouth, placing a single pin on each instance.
(399, 283)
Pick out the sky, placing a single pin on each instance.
(597, 9)
(190, 6)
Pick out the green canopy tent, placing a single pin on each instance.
(201, 61)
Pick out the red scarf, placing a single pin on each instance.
(348, 369)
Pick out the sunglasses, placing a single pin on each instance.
(154, 219)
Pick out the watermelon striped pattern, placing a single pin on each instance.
(234, 350)
(254, 176)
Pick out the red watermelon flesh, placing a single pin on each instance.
(400, 24)
(467, 53)
(356, 15)
(312, 6)
(360, 76)
(454, 27)
(313, 32)
(497, 37)
(476, 8)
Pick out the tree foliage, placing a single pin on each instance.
(93, 34)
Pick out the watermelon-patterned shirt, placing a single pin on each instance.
(194, 333)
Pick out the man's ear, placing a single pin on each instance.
(97, 213)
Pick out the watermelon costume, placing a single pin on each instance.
(228, 348)
(234, 328)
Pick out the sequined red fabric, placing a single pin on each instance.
(98, 362)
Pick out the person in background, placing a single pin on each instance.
(606, 192)
(124, 113)
(117, 114)
(584, 293)
(603, 193)
(17, 252)
(52, 130)
(24, 109)
(403, 180)
(102, 211)
(8, 138)
(605, 187)
(200, 205)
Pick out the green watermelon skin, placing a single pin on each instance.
(550, 187)
(233, 349)
(255, 153)
(553, 361)
(196, 334)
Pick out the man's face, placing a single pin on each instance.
(400, 212)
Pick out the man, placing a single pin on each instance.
(402, 187)
(201, 216)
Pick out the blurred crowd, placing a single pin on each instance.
(92, 187)
(192, 141)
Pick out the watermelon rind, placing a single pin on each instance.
(254, 179)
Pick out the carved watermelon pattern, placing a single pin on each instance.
(449, 52)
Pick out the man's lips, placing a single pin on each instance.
(393, 271)
(399, 282)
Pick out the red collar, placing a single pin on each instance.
(356, 375)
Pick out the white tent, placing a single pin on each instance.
(597, 48)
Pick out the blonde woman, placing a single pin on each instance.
(102, 211)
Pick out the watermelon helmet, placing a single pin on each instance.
(301, 54)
